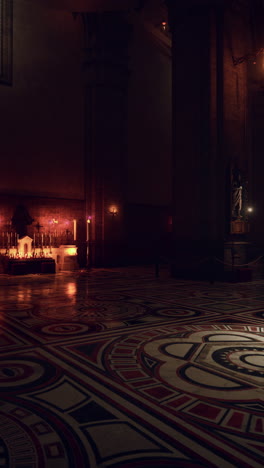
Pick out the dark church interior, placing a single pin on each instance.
(132, 234)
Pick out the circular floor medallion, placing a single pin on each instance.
(244, 360)
(65, 329)
(20, 373)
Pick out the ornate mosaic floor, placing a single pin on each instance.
(120, 369)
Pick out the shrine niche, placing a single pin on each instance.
(24, 246)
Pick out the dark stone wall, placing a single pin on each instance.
(148, 163)
(41, 122)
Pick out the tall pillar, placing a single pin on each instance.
(106, 82)
(209, 108)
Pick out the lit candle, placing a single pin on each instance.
(74, 229)
(87, 229)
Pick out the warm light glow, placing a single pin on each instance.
(250, 209)
(24, 294)
(71, 289)
(88, 220)
(113, 210)
(71, 251)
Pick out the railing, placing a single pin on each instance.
(211, 261)
(9, 239)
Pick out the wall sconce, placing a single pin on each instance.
(53, 221)
(113, 210)
(164, 26)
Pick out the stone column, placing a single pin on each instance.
(209, 114)
(106, 82)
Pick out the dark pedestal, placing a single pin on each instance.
(244, 274)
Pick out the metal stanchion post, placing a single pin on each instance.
(212, 279)
(157, 267)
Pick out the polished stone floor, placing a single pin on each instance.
(117, 368)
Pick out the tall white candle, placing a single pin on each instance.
(74, 229)
(87, 229)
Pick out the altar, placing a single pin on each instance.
(28, 256)
(27, 266)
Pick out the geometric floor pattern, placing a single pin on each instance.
(117, 368)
